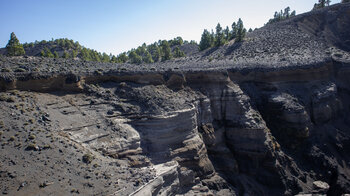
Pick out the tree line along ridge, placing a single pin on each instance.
(156, 52)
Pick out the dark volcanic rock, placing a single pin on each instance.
(268, 116)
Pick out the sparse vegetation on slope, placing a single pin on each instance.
(321, 4)
(221, 36)
(282, 15)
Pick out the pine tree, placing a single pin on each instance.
(193, 42)
(293, 13)
(286, 12)
(95, 56)
(321, 4)
(178, 41)
(74, 53)
(55, 54)
(166, 51)
(234, 30)
(178, 53)
(155, 51)
(105, 58)
(13, 47)
(212, 38)
(85, 55)
(279, 16)
(148, 58)
(227, 33)
(48, 53)
(141, 50)
(205, 40)
(134, 57)
(219, 39)
(114, 59)
(122, 58)
(241, 31)
(66, 55)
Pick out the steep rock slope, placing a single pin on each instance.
(266, 117)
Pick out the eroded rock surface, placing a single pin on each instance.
(258, 120)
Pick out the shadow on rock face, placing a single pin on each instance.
(233, 47)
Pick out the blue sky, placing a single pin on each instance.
(114, 26)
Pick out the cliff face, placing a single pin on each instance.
(226, 130)
(210, 132)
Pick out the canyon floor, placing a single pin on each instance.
(268, 116)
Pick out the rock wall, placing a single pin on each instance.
(214, 132)
(174, 136)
